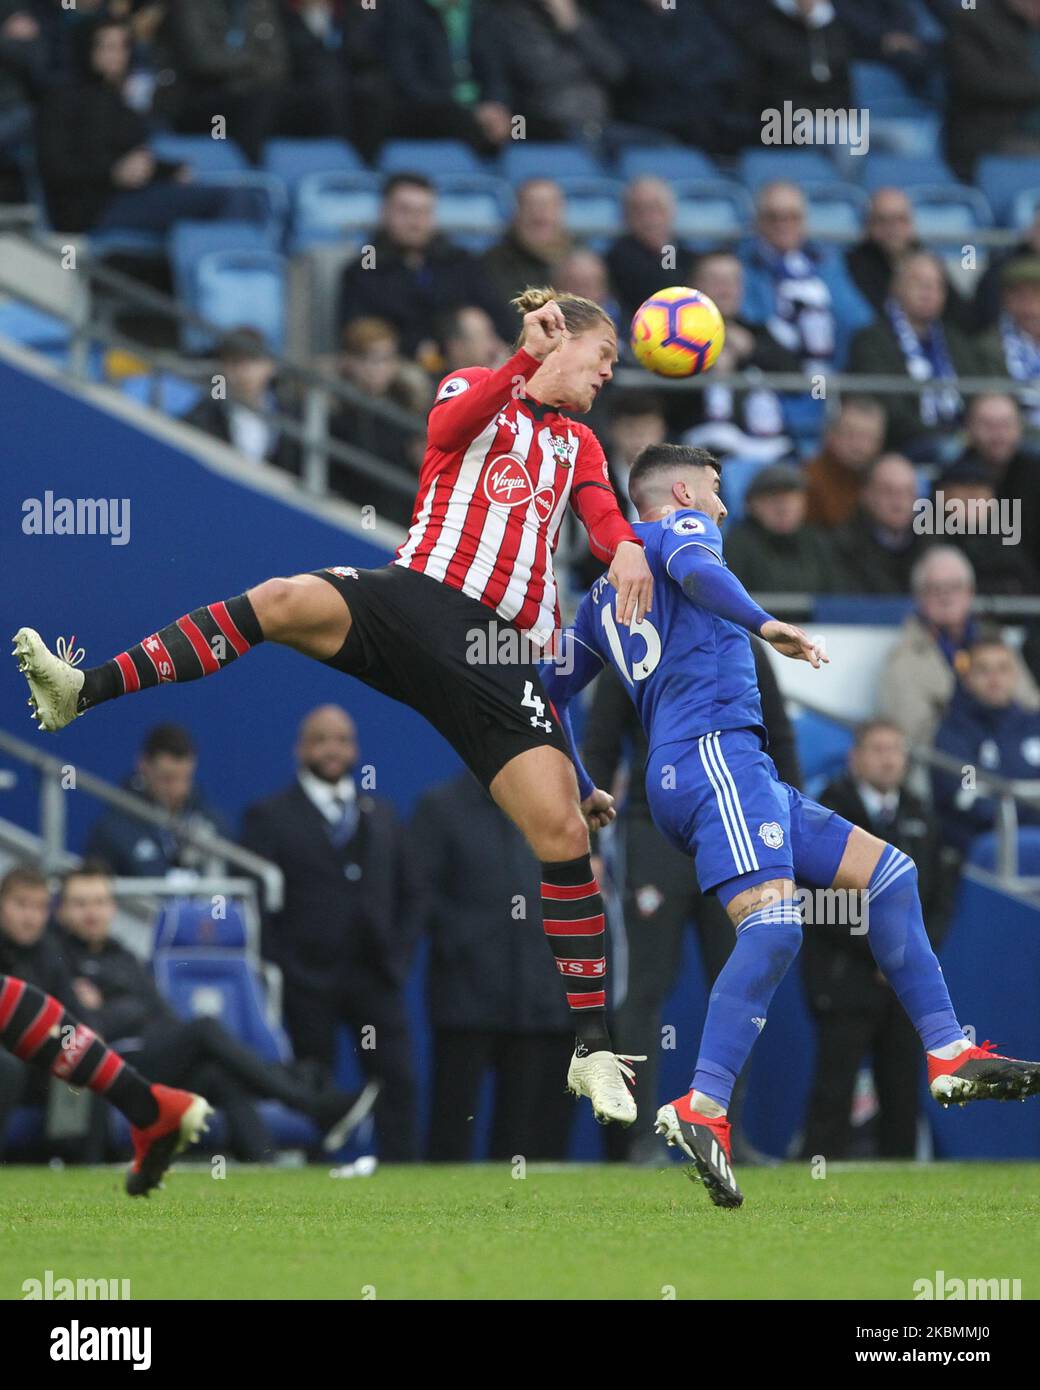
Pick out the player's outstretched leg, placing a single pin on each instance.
(303, 612)
(538, 791)
(38, 1030)
(957, 1070)
(769, 934)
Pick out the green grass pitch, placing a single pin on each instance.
(477, 1232)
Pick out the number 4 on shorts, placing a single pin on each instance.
(535, 702)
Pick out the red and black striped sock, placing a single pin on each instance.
(572, 911)
(36, 1028)
(199, 644)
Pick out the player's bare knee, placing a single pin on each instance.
(274, 602)
(559, 836)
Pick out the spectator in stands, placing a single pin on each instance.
(412, 272)
(95, 165)
(746, 424)
(857, 1015)
(23, 74)
(890, 235)
(232, 59)
(985, 729)
(923, 667)
(912, 340)
(660, 95)
(343, 936)
(449, 73)
(993, 93)
(988, 296)
(240, 406)
(799, 52)
(490, 1003)
(852, 442)
(876, 551)
(773, 550)
(989, 534)
(637, 258)
(895, 32)
(467, 338)
(29, 951)
(120, 997)
(661, 897)
(1013, 347)
(534, 241)
(559, 66)
(993, 427)
(801, 290)
(584, 272)
(164, 777)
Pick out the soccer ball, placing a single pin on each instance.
(677, 332)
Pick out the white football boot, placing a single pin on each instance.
(54, 683)
(603, 1078)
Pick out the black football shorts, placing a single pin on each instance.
(451, 658)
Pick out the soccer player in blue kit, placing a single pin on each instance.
(715, 794)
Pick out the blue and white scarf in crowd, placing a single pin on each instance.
(928, 359)
(802, 318)
(1022, 359)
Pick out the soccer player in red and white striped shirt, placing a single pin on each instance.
(453, 626)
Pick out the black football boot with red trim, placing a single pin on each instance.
(706, 1142)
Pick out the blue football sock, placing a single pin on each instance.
(767, 942)
(904, 954)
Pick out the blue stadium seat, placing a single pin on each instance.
(1004, 178)
(33, 328)
(292, 160)
(201, 152)
(823, 748)
(242, 288)
(473, 209)
(983, 851)
(835, 208)
(270, 197)
(907, 128)
(184, 923)
(711, 210)
(1024, 210)
(756, 167)
(903, 171)
(593, 207)
(874, 82)
(334, 207)
(666, 161)
(534, 159)
(189, 241)
(192, 244)
(949, 212)
(223, 985)
(434, 158)
(175, 395)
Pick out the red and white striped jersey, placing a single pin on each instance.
(499, 471)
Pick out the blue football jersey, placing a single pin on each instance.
(688, 671)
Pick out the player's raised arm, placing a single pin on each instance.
(611, 538)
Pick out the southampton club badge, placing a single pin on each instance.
(771, 834)
(561, 450)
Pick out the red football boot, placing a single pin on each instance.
(979, 1073)
(182, 1118)
(706, 1142)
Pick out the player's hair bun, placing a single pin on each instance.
(534, 297)
(578, 313)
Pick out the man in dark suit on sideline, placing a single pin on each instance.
(343, 936)
(855, 1010)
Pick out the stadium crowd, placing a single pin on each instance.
(824, 497)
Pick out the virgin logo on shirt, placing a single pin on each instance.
(507, 483)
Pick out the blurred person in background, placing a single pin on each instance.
(415, 272)
(773, 550)
(449, 73)
(900, 33)
(95, 165)
(23, 77)
(165, 777)
(635, 258)
(344, 934)
(977, 525)
(923, 668)
(889, 235)
(584, 272)
(798, 51)
(985, 728)
(993, 85)
(239, 408)
(988, 295)
(119, 995)
(911, 339)
(856, 1011)
(1012, 348)
(489, 988)
(749, 423)
(851, 444)
(875, 551)
(994, 438)
(532, 243)
(467, 337)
